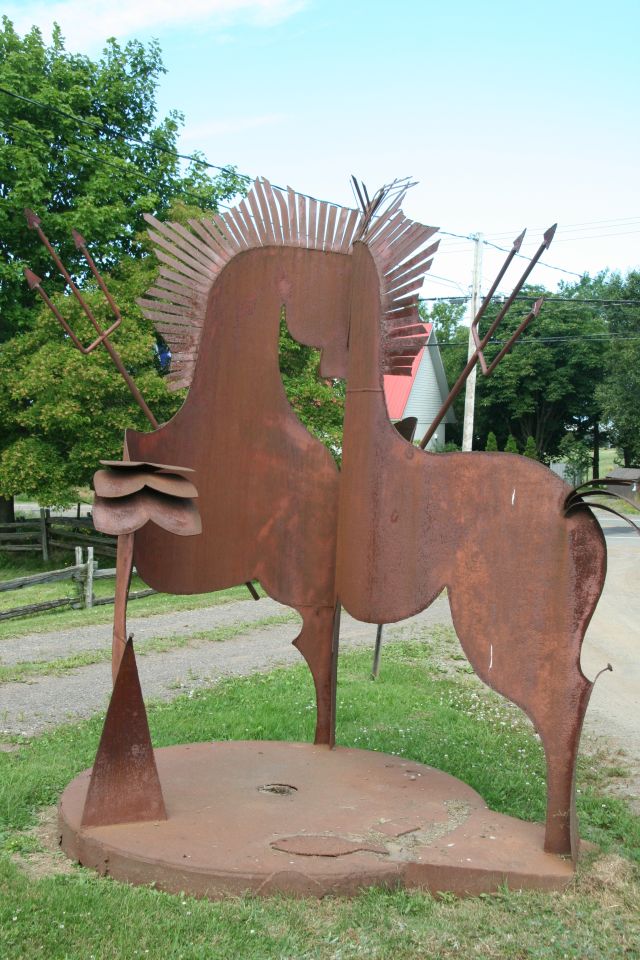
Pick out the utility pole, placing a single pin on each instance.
(470, 390)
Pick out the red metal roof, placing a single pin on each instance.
(397, 389)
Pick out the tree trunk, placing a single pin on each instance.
(596, 449)
(7, 512)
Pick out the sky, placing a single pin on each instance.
(507, 114)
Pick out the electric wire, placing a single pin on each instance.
(201, 161)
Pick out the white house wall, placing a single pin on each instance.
(426, 399)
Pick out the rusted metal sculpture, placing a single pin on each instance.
(523, 566)
(522, 576)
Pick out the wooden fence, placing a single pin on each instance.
(82, 575)
(44, 533)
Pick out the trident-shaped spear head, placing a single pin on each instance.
(33, 220)
(549, 235)
(33, 279)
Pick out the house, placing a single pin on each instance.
(422, 394)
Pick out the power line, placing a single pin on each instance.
(229, 170)
(128, 164)
(548, 299)
(579, 226)
(96, 126)
(593, 338)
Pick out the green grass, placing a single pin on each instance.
(65, 619)
(419, 709)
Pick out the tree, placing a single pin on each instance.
(548, 382)
(511, 446)
(530, 449)
(492, 443)
(319, 403)
(80, 144)
(619, 392)
(577, 457)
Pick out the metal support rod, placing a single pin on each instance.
(124, 569)
(375, 669)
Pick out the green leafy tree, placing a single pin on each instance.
(511, 446)
(492, 443)
(530, 449)
(548, 382)
(318, 402)
(619, 392)
(81, 144)
(577, 457)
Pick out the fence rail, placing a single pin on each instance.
(82, 575)
(47, 532)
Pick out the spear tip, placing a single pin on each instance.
(517, 243)
(535, 310)
(549, 235)
(33, 279)
(78, 239)
(33, 220)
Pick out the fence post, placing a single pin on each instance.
(79, 577)
(88, 580)
(44, 534)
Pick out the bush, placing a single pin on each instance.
(511, 446)
(492, 443)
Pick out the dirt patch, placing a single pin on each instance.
(40, 854)
(619, 768)
(613, 881)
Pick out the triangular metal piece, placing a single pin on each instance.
(124, 787)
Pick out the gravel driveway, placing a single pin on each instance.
(32, 706)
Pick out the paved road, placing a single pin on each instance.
(614, 637)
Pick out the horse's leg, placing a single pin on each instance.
(560, 735)
(318, 645)
(536, 666)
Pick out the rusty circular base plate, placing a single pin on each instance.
(272, 817)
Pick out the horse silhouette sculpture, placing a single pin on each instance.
(522, 575)
(522, 566)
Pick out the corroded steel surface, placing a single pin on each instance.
(128, 495)
(523, 566)
(124, 785)
(350, 819)
(522, 578)
(268, 490)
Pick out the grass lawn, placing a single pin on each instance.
(420, 709)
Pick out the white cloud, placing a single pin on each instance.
(86, 24)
